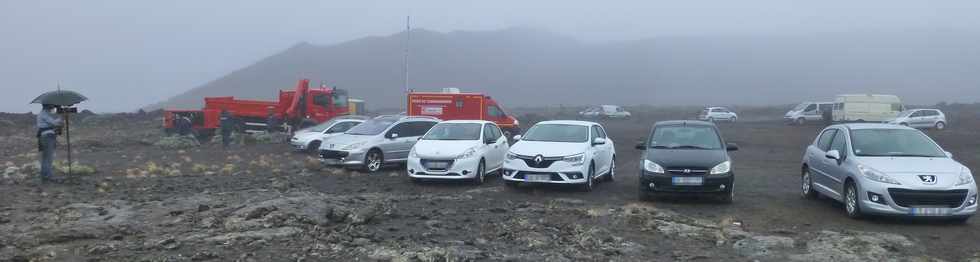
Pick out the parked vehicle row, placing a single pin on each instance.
(605, 112)
(873, 168)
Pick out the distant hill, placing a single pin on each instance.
(525, 67)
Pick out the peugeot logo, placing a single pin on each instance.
(928, 179)
(538, 159)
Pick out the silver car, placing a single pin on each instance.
(921, 118)
(376, 142)
(882, 169)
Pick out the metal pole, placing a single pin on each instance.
(68, 139)
(408, 38)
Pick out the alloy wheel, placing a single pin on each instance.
(374, 161)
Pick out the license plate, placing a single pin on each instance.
(929, 211)
(437, 165)
(537, 178)
(687, 181)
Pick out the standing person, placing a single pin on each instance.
(272, 122)
(48, 128)
(227, 125)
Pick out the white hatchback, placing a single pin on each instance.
(561, 152)
(458, 149)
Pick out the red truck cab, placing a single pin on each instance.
(294, 107)
(454, 105)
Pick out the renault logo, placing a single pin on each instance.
(538, 159)
(928, 179)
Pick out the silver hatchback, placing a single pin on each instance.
(882, 169)
(376, 142)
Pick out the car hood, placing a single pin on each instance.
(792, 113)
(340, 141)
(687, 158)
(909, 165)
(306, 135)
(547, 149)
(443, 148)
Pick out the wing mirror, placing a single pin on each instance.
(518, 137)
(833, 154)
(948, 154)
(599, 141)
(731, 147)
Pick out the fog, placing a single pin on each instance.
(128, 54)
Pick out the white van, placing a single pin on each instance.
(808, 111)
(867, 108)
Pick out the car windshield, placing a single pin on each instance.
(320, 127)
(894, 143)
(800, 107)
(906, 113)
(557, 133)
(454, 131)
(685, 137)
(372, 127)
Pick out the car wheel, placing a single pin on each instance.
(589, 179)
(940, 125)
(801, 121)
(807, 190)
(612, 171)
(852, 203)
(729, 196)
(481, 172)
(373, 161)
(313, 148)
(733, 119)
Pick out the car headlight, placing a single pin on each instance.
(467, 154)
(965, 177)
(652, 167)
(722, 168)
(353, 146)
(575, 159)
(412, 154)
(511, 156)
(876, 175)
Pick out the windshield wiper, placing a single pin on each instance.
(660, 147)
(913, 155)
(690, 147)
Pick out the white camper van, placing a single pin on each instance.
(867, 108)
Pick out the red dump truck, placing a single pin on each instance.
(298, 107)
(451, 104)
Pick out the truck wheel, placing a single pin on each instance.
(373, 161)
(313, 148)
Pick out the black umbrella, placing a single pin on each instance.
(59, 98)
(63, 98)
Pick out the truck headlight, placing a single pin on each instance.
(577, 159)
(965, 177)
(876, 175)
(652, 167)
(722, 168)
(467, 154)
(353, 146)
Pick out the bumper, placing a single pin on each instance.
(341, 158)
(558, 172)
(909, 205)
(298, 144)
(663, 183)
(458, 169)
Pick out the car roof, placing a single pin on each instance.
(858, 126)
(466, 122)
(407, 118)
(683, 122)
(567, 122)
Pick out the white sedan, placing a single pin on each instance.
(458, 149)
(309, 139)
(562, 152)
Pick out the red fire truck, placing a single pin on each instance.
(451, 104)
(299, 107)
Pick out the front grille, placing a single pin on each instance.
(545, 161)
(911, 198)
(333, 154)
(687, 171)
(437, 165)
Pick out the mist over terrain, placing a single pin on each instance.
(529, 67)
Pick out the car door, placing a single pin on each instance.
(490, 151)
(930, 118)
(817, 160)
(811, 112)
(835, 168)
(608, 148)
(599, 152)
(397, 147)
(502, 146)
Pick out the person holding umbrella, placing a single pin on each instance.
(48, 128)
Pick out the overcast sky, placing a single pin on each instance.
(125, 54)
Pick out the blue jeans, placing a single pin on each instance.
(49, 143)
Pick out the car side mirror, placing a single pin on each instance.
(641, 146)
(599, 141)
(948, 154)
(731, 147)
(833, 154)
(518, 137)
